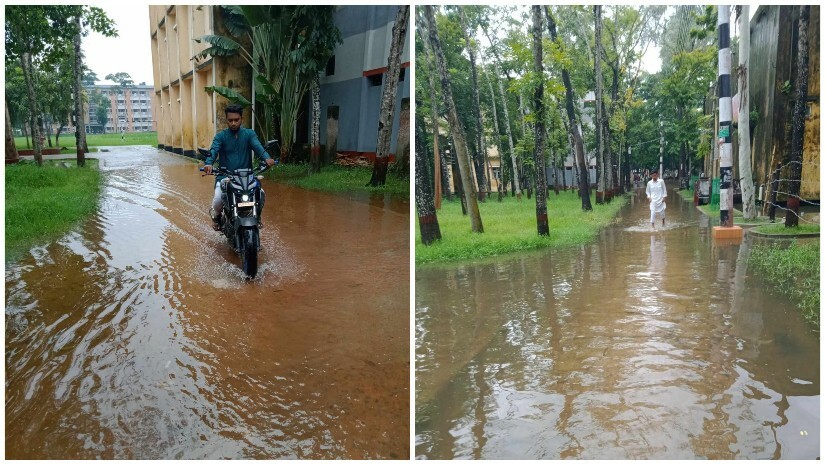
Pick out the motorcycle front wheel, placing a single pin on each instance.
(250, 253)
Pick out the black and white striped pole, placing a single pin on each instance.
(726, 230)
(725, 110)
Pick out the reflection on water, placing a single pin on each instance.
(136, 336)
(639, 346)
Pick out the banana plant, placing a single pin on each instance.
(281, 73)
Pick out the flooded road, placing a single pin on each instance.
(136, 337)
(642, 345)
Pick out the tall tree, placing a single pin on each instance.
(388, 97)
(600, 139)
(79, 115)
(745, 173)
(481, 149)
(422, 64)
(102, 107)
(424, 202)
(11, 147)
(316, 43)
(575, 129)
(798, 122)
(507, 125)
(538, 103)
(457, 130)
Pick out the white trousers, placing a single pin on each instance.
(653, 214)
(217, 202)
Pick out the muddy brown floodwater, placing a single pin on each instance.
(642, 345)
(136, 337)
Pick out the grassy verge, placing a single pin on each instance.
(336, 178)
(510, 226)
(96, 140)
(794, 271)
(44, 202)
(686, 194)
(779, 229)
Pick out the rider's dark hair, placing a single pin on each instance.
(233, 108)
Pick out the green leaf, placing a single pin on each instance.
(228, 94)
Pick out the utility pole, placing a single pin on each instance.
(725, 110)
(726, 230)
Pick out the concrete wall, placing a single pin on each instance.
(189, 116)
(774, 31)
(367, 33)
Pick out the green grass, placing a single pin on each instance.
(336, 178)
(96, 140)
(779, 229)
(43, 203)
(794, 271)
(510, 226)
(686, 194)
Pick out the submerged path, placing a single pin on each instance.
(135, 336)
(642, 345)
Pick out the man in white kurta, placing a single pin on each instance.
(657, 195)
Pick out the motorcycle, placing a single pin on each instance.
(243, 200)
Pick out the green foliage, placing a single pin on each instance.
(793, 271)
(102, 140)
(290, 46)
(510, 226)
(230, 94)
(103, 104)
(336, 178)
(37, 209)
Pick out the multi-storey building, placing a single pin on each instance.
(188, 116)
(130, 109)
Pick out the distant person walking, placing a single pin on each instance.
(657, 195)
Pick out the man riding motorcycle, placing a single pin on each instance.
(232, 146)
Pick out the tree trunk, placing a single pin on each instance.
(496, 134)
(440, 167)
(745, 172)
(445, 178)
(455, 124)
(315, 132)
(388, 97)
(507, 126)
(600, 142)
(481, 149)
(427, 218)
(538, 102)
(584, 179)
(26, 64)
(508, 129)
(798, 122)
(79, 115)
(11, 148)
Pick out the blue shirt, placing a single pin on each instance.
(233, 149)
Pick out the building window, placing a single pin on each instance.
(401, 74)
(331, 66)
(375, 79)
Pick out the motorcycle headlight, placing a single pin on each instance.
(245, 198)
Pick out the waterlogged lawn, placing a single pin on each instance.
(43, 203)
(336, 178)
(779, 229)
(95, 140)
(510, 226)
(793, 271)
